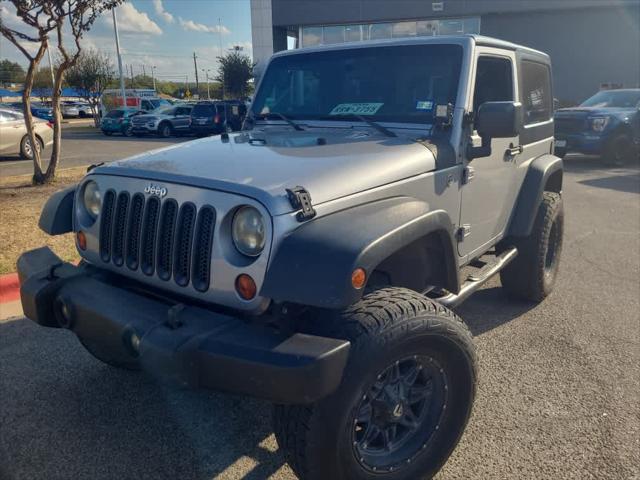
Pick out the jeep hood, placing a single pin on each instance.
(329, 165)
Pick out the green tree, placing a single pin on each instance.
(11, 72)
(234, 73)
(90, 76)
(42, 86)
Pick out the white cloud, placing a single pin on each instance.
(131, 20)
(159, 8)
(201, 27)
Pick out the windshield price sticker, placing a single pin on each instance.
(425, 105)
(356, 109)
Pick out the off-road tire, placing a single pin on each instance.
(25, 149)
(532, 274)
(620, 150)
(385, 326)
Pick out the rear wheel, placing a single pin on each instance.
(26, 151)
(404, 401)
(532, 274)
(620, 150)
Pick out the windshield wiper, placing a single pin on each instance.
(371, 123)
(281, 117)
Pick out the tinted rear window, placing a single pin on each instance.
(203, 110)
(536, 95)
(115, 114)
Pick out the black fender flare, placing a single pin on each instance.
(57, 214)
(544, 174)
(313, 264)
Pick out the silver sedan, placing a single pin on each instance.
(13, 134)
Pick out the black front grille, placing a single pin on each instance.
(569, 125)
(158, 237)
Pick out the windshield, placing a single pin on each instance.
(159, 103)
(164, 110)
(393, 84)
(614, 99)
(115, 114)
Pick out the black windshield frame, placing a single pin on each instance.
(402, 83)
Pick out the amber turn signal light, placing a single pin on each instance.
(245, 286)
(82, 240)
(358, 278)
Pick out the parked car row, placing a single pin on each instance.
(607, 124)
(200, 119)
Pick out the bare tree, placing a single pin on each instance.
(43, 19)
(90, 76)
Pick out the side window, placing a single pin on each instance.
(494, 81)
(536, 92)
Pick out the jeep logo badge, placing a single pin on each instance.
(152, 189)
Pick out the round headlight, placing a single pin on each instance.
(247, 231)
(92, 198)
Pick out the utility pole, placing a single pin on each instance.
(131, 67)
(115, 29)
(153, 76)
(144, 72)
(195, 65)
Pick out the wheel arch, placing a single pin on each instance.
(313, 265)
(545, 173)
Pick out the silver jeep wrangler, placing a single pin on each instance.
(311, 259)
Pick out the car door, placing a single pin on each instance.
(181, 121)
(488, 190)
(12, 129)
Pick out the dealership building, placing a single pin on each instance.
(593, 44)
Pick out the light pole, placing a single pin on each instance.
(153, 77)
(206, 74)
(115, 29)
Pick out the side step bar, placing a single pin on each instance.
(477, 279)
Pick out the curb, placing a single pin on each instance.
(9, 288)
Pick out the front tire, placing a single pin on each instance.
(532, 274)
(620, 150)
(404, 401)
(26, 152)
(165, 130)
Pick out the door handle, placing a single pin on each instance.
(513, 151)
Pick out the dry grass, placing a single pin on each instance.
(20, 207)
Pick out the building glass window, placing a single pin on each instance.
(334, 34)
(427, 28)
(536, 95)
(311, 36)
(329, 34)
(352, 33)
(380, 31)
(404, 29)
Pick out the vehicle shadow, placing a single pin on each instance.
(490, 308)
(66, 415)
(629, 183)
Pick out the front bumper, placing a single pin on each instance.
(187, 345)
(587, 143)
(145, 128)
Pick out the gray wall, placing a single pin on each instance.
(587, 48)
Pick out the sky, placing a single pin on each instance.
(161, 33)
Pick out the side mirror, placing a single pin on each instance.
(495, 120)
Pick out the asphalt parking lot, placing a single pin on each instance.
(558, 397)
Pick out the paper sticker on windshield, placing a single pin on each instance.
(425, 105)
(356, 109)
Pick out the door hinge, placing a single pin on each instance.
(463, 231)
(467, 175)
(300, 199)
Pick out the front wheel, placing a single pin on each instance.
(404, 401)
(620, 150)
(164, 130)
(532, 274)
